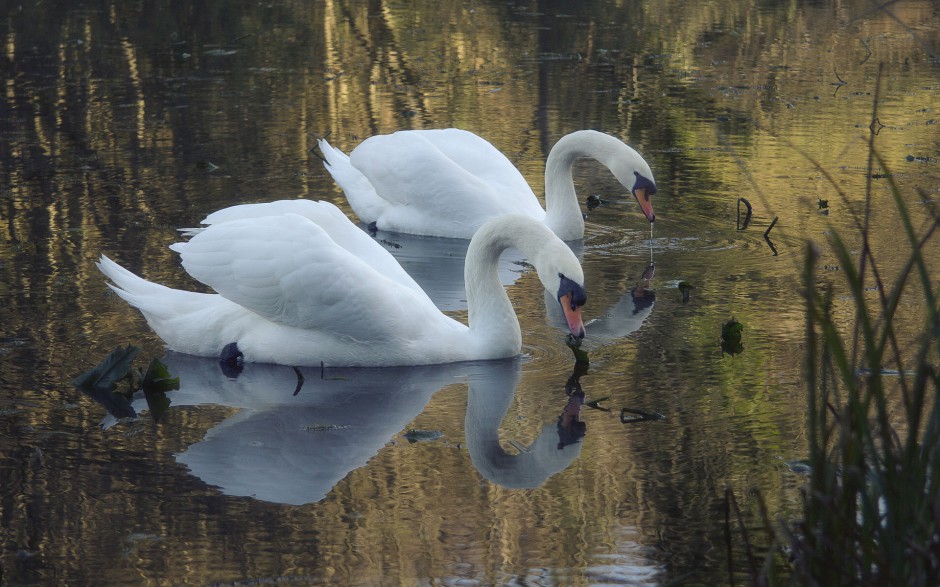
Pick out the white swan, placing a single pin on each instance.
(309, 289)
(448, 182)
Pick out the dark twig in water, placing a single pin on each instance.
(300, 379)
(839, 83)
(771, 227)
(867, 48)
(747, 215)
(641, 416)
(767, 236)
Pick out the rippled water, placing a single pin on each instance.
(120, 127)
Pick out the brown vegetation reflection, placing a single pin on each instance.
(122, 121)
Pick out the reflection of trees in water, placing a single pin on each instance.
(120, 125)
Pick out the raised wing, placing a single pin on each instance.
(480, 158)
(289, 270)
(461, 179)
(332, 220)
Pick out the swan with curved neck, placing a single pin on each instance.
(311, 289)
(448, 182)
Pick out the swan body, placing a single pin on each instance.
(448, 182)
(311, 289)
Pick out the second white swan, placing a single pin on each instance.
(448, 182)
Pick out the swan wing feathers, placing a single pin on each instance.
(287, 269)
(439, 177)
(480, 158)
(332, 220)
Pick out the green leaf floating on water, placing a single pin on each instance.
(156, 383)
(158, 379)
(731, 332)
(105, 375)
(100, 383)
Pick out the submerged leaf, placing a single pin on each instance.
(731, 332)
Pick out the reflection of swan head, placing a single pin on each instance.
(556, 447)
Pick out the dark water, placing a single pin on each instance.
(122, 122)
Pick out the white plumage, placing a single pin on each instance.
(448, 182)
(310, 287)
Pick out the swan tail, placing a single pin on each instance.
(360, 193)
(178, 317)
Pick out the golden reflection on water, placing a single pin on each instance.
(120, 127)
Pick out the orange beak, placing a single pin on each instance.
(575, 324)
(643, 199)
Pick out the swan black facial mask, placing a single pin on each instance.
(643, 188)
(571, 296)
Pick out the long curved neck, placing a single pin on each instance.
(493, 323)
(492, 320)
(562, 210)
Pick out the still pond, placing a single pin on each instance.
(121, 122)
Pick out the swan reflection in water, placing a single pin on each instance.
(292, 446)
(437, 265)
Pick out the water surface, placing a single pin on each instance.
(120, 125)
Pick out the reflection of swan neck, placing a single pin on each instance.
(488, 402)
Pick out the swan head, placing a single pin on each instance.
(643, 188)
(571, 296)
(560, 273)
(634, 173)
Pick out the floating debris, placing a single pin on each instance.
(323, 427)
(639, 416)
(101, 383)
(414, 435)
(686, 288)
(800, 467)
(731, 335)
(574, 344)
(767, 236)
(595, 404)
(747, 215)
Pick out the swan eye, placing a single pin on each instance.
(574, 289)
(643, 182)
